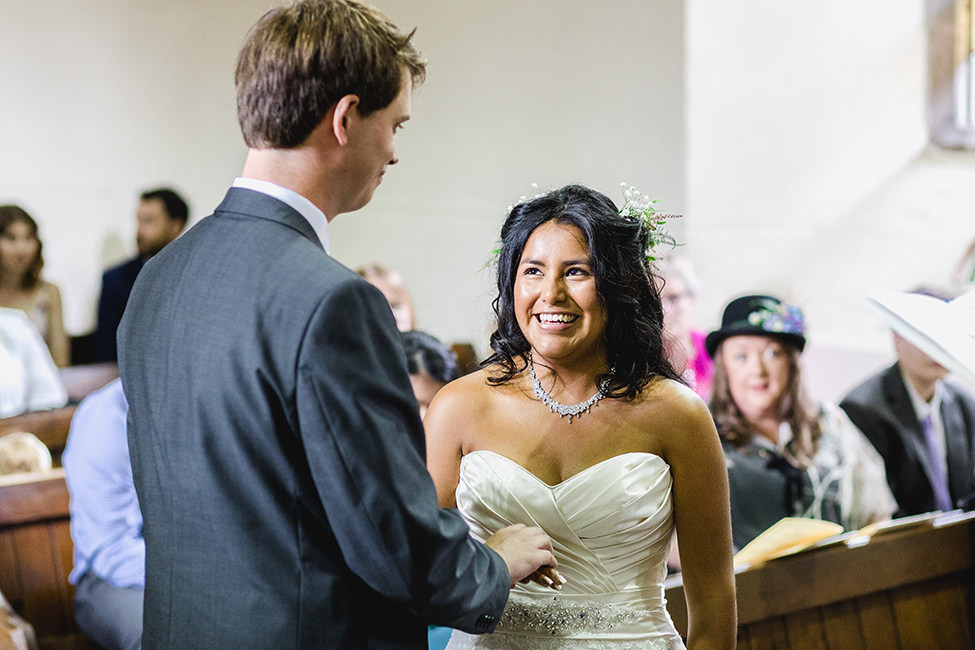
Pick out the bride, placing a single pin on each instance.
(579, 425)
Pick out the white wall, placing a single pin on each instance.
(104, 99)
(799, 117)
(545, 92)
(791, 137)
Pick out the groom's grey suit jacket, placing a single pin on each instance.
(278, 454)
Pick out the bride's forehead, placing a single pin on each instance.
(554, 237)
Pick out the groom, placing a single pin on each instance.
(275, 442)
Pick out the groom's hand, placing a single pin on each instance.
(528, 554)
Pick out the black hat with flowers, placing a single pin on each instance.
(761, 316)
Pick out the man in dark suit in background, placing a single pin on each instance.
(160, 218)
(923, 426)
(276, 445)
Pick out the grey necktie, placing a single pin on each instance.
(939, 480)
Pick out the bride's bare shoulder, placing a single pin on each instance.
(472, 394)
(671, 408)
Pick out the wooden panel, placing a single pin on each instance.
(841, 626)
(907, 588)
(768, 635)
(51, 427)
(80, 380)
(805, 630)
(38, 574)
(877, 622)
(932, 615)
(26, 498)
(10, 583)
(62, 549)
(822, 577)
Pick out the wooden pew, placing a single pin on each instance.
(908, 589)
(35, 557)
(81, 380)
(52, 426)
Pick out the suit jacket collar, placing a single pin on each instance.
(895, 392)
(258, 205)
(958, 442)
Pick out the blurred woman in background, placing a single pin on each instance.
(21, 285)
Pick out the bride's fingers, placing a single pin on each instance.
(546, 576)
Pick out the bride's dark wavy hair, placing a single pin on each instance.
(625, 282)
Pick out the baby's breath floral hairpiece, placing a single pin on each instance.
(636, 205)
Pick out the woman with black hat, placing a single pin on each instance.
(785, 456)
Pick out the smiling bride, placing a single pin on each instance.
(578, 424)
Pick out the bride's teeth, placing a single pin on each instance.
(556, 318)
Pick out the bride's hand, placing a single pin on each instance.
(527, 552)
(546, 576)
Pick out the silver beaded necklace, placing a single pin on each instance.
(571, 410)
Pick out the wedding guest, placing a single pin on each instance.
(922, 425)
(106, 523)
(431, 365)
(394, 289)
(22, 452)
(271, 422)
(160, 217)
(786, 457)
(579, 424)
(684, 344)
(29, 380)
(21, 284)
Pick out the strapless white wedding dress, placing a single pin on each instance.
(611, 526)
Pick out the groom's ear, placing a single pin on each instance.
(345, 112)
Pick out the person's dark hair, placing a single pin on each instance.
(176, 208)
(625, 281)
(299, 60)
(10, 214)
(795, 407)
(426, 354)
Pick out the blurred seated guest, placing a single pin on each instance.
(922, 425)
(785, 457)
(106, 523)
(160, 217)
(397, 295)
(15, 632)
(684, 345)
(29, 380)
(431, 364)
(21, 285)
(22, 452)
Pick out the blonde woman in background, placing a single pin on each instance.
(397, 295)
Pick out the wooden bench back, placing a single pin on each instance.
(909, 589)
(35, 556)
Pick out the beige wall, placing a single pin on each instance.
(104, 99)
(791, 137)
(808, 169)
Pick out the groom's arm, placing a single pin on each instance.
(363, 437)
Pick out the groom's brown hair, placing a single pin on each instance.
(299, 60)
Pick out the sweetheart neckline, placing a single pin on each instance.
(567, 479)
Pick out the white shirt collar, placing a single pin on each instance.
(315, 217)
